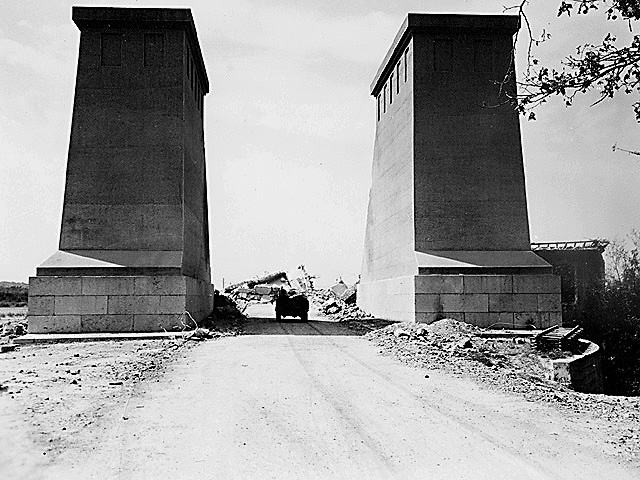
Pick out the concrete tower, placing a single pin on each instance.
(447, 229)
(134, 246)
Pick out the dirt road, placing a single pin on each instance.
(310, 400)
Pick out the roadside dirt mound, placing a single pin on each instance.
(446, 330)
(510, 365)
(334, 307)
(225, 307)
(13, 323)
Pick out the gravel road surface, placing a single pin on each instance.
(313, 400)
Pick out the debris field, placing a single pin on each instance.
(510, 365)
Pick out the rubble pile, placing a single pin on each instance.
(344, 292)
(261, 289)
(244, 296)
(458, 348)
(225, 320)
(337, 302)
(225, 307)
(350, 295)
(510, 364)
(333, 306)
(13, 328)
(279, 277)
(12, 325)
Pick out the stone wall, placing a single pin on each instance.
(582, 372)
(68, 304)
(506, 301)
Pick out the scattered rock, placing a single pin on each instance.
(14, 328)
(400, 333)
(200, 334)
(331, 303)
(510, 366)
(422, 331)
(336, 307)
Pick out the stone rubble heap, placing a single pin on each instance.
(260, 289)
(335, 307)
(11, 327)
(456, 345)
(510, 365)
(258, 294)
(337, 302)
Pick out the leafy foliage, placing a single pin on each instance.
(613, 320)
(13, 295)
(606, 67)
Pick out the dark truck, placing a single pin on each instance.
(291, 304)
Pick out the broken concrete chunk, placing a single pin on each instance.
(339, 288)
(329, 303)
(400, 333)
(263, 289)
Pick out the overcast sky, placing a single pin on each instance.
(289, 131)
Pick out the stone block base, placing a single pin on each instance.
(506, 301)
(73, 304)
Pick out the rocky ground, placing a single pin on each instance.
(61, 392)
(335, 308)
(508, 365)
(65, 387)
(12, 323)
(60, 389)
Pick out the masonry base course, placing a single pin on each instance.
(72, 304)
(507, 301)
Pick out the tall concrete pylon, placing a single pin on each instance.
(134, 242)
(447, 231)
